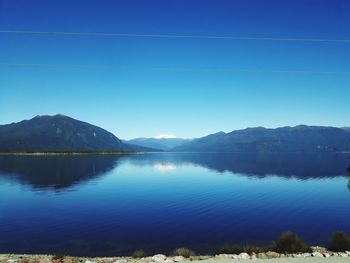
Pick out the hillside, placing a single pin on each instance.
(300, 138)
(58, 133)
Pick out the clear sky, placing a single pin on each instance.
(120, 87)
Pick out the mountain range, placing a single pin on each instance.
(62, 133)
(300, 138)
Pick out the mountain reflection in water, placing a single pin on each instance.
(58, 172)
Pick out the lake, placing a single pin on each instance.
(113, 205)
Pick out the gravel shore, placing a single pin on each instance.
(268, 257)
(285, 260)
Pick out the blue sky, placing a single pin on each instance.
(122, 92)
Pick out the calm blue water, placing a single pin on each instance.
(112, 205)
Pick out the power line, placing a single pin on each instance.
(243, 38)
(171, 69)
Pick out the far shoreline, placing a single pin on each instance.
(76, 153)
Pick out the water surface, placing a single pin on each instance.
(112, 205)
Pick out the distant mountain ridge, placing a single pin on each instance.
(63, 133)
(164, 144)
(59, 133)
(300, 138)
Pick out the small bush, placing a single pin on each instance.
(139, 254)
(289, 242)
(255, 249)
(237, 249)
(58, 257)
(339, 242)
(185, 252)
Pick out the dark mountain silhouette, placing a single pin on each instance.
(59, 133)
(302, 138)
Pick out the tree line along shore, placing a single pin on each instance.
(43, 153)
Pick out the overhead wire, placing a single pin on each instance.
(172, 69)
(179, 36)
